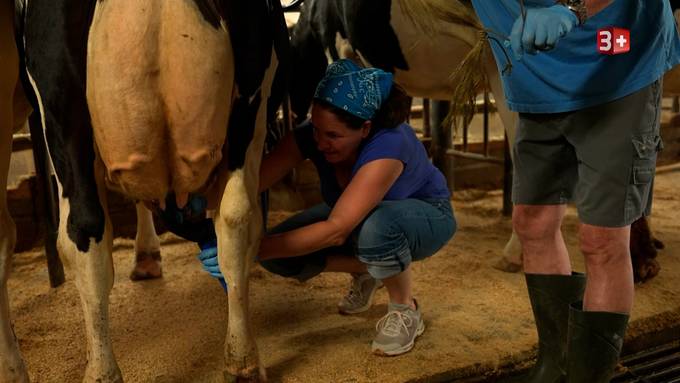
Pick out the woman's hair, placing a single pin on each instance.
(392, 112)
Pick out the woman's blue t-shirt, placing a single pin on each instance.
(419, 179)
(574, 75)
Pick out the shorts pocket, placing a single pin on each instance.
(639, 191)
(647, 145)
(644, 164)
(643, 175)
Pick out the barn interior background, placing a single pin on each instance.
(478, 318)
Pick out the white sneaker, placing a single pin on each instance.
(398, 330)
(360, 295)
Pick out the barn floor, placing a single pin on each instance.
(172, 330)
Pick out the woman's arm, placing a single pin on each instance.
(366, 189)
(281, 160)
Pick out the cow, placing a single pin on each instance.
(381, 33)
(147, 264)
(156, 98)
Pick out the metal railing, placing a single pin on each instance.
(443, 148)
(45, 184)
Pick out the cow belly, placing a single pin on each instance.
(159, 104)
(431, 59)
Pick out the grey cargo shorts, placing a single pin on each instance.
(602, 158)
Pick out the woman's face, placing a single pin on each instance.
(336, 140)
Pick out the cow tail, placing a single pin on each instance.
(469, 78)
(426, 15)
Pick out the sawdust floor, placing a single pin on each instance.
(172, 330)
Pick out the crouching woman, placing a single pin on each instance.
(384, 204)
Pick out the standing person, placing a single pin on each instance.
(385, 205)
(588, 133)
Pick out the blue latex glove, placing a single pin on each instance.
(208, 257)
(541, 30)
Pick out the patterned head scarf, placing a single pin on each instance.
(359, 91)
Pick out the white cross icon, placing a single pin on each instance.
(621, 40)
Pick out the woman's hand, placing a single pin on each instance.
(208, 258)
(366, 189)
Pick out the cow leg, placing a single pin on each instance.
(238, 224)
(147, 247)
(511, 261)
(93, 270)
(56, 68)
(238, 227)
(12, 367)
(643, 251)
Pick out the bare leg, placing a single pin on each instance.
(538, 228)
(399, 288)
(147, 247)
(610, 273)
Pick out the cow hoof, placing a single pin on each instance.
(658, 244)
(648, 270)
(147, 266)
(255, 378)
(507, 266)
(99, 375)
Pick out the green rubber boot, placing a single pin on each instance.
(595, 340)
(551, 296)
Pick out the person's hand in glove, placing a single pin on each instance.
(208, 257)
(541, 29)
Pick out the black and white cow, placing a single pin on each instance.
(154, 97)
(382, 34)
(147, 262)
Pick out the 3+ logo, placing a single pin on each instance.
(613, 40)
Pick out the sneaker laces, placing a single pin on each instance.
(355, 295)
(393, 322)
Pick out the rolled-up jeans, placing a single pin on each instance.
(393, 235)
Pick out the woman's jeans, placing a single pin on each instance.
(392, 236)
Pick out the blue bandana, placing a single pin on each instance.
(359, 91)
